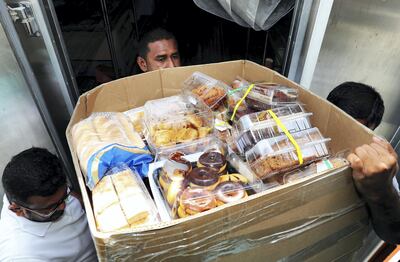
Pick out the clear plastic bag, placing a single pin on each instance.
(121, 201)
(259, 15)
(104, 140)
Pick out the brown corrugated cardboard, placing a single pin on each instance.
(319, 218)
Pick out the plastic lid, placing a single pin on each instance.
(248, 121)
(177, 119)
(276, 155)
(201, 188)
(211, 91)
(273, 93)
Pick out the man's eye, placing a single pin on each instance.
(161, 59)
(175, 56)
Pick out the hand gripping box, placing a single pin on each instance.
(317, 218)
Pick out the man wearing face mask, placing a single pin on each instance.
(41, 219)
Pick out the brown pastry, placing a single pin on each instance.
(203, 177)
(213, 160)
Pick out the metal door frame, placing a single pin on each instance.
(36, 92)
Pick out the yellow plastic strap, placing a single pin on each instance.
(241, 101)
(292, 140)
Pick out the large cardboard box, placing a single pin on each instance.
(319, 218)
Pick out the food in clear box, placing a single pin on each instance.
(315, 168)
(121, 201)
(272, 93)
(200, 186)
(214, 160)
(234, 95)
(136, 116)
(211, 91)
(177, 119)
(255, 127)
(263, 96)
(277, 154)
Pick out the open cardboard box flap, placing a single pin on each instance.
(287, 221)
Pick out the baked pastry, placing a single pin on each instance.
(131, 197)
(107, 210)
(194, 201)
(211, 96)
(228, 192)
(120, 202)
(213, 160)
(203, 177)
(170, 133)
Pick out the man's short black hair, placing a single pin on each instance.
(154, 35)
(360, 101)
(33, 172)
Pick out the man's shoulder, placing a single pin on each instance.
(13, 248)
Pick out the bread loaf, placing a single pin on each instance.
(119, 202)
(132, 198)
(106, 207)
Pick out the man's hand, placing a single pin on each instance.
(374, 167)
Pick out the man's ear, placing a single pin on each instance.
(16, 209)
(142, 63)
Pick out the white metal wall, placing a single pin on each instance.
(361, 44)
(21, 125)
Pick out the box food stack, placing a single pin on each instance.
(318, 217)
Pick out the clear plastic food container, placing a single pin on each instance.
(175, 120)
(256, 127)
(192, 187)
(248, 121)
(268, 96)
(277, 154)
(136, 116)
(211, 91)
(194, 148)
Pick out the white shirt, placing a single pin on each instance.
(67, 239)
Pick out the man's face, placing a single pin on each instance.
(162, 54)
(43, 209)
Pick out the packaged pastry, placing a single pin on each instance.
(103, 139)
(265, 96)
(255, 127)
(192, 184)
(136, 116)
(194, 149)
(175, 120)
(121, 201)
(315, 168)
(277, 155)
(211, 91)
